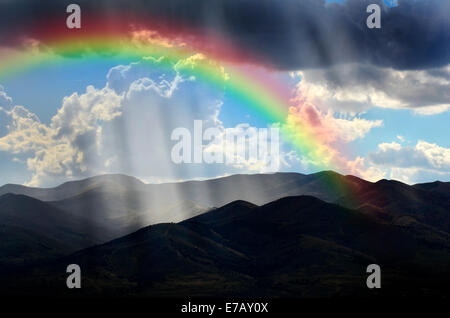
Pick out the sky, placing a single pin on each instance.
(368, 102)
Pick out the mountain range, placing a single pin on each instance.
(280, 235)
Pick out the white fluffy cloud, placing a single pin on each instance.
(56, 150)
(5, 100)
(46, 154)
(355, 88)
(328, 127)
(246, 147)
(123, 127)
(322, 132)
(330, 103)
(412, 163)
(423, 155)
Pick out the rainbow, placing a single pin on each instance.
(257, 91)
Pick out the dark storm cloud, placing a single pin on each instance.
(291, 34)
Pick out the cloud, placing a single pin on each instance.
(322, 134)
(431, 110)
(156, 101)
(326, 126)
(123, 127)
(309, 113)
(423, 155)
(56, 150)
(304, 34)
(409, 164)
(356, 88)
(416, 175)
(246, 148)
(145, 37)
(80, 114)
(46, 155)
(290, 34)
(5, 100)
(359, 167)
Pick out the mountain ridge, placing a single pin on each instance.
(134, 204)
(108, 207)
(281, 249)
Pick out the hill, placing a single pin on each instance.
(73, 188)
(33, 230)
(293, 247)
(392, 200)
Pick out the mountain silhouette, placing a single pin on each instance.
(283, 234)
(33, 230)
(293, 247)
(436, 186)
(73, 188)
(256, 188)
(393, 200)
(123, 204)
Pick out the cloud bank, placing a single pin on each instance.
(123, 127)
(290, 34)
(356, 88)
